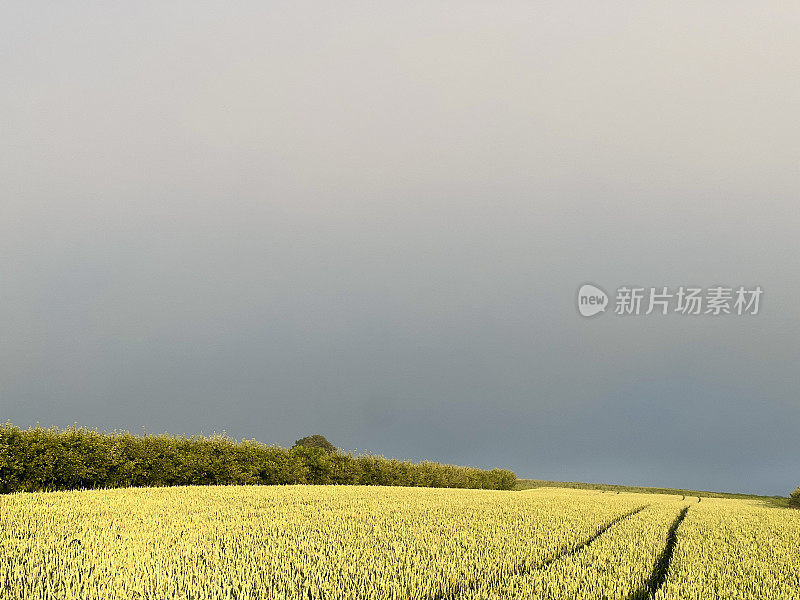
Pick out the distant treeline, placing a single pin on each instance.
(50, 459)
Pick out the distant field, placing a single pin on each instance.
(381, 543)
(527, 484)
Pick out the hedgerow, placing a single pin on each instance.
(48, 459)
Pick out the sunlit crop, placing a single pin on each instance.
(736, 549)
(617, 564)
(353, 542)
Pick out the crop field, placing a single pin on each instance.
(354, 542)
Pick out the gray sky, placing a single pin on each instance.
(369, 220)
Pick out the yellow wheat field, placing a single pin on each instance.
(327, 542)
(736, 550)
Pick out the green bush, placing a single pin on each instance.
(76, 458)
(316, 441)
(794, 498)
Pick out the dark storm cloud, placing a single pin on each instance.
(370, 221)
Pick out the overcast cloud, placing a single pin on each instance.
(369, 220)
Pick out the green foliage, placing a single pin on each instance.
(794, 498)
(316, 441)
(76, 458)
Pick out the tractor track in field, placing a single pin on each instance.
(563, 553)
(585, 544)
(659, 574)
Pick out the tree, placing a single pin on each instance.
(316, 441)
(794, 499)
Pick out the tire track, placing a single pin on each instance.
(659, 574)
(524, 569)
(585, 544)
